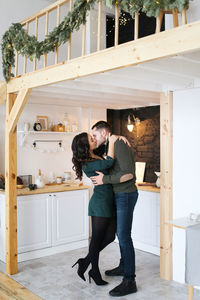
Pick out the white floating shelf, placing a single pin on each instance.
(46, 132)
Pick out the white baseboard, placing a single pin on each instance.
(147, 248)
(48, 251)
(144, 247)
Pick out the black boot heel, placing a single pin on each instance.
(96, 276)
(81, 268)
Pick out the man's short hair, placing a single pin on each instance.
(102, 125)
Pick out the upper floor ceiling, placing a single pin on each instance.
(129, 87)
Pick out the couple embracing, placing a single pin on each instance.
(112, 203)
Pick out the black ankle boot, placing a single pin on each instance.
(82, 267)
(124, 288)
(115, 272)
(96, 276)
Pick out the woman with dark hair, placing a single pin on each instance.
(101, 205)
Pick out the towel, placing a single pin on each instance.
(192, 258)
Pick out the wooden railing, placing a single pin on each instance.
(57, 7)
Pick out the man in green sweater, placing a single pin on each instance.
(122, 177)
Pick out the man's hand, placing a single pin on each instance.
(97, 180)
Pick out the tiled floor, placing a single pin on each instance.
(52, 278)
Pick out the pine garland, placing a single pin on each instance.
(15, 38)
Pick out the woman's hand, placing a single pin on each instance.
(114, 137)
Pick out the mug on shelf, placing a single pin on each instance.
(59, 179)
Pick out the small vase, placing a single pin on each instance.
(158, 179)
(39, 182)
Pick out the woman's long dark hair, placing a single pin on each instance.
(81, 153)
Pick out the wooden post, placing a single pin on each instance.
(136, 27)
(11, 191)
(116, 23)
(166, 109)
(46, 32)
(58, 21)
(175, 18)
(16, 63)
(184, 16)
(36, 35)
(83, 39)
(99, 26)
(25, 56)
(70, 37)
(190, 292)
(159, 19)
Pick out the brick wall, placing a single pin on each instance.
(145, 137)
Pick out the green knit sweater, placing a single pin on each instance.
(123, 164)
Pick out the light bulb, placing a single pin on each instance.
(130, 127)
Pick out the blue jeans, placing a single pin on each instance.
(125, 203)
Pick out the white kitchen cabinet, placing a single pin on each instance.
(34, 222)
(48, 223)
(146, 222)
(69, 208)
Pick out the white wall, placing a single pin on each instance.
(29, 161)
(186, 166)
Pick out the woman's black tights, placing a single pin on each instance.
(103, 233)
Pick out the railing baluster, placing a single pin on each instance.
(16, 63)
(136, 27)
(184, 17)
(58, 21)
(175, 18)
(36, 35)
(159, 21)
(116, 23)
(99, 26)
(70, 38)
(25, 56)
(83, 39)
(46, 32)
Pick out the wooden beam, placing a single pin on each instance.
(3, 92)
(10, 289)
(166, 213)
(11, 191)
(18, 108)
(164, 44)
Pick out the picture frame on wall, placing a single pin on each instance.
(43, 120)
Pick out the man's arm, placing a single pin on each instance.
(126, 172)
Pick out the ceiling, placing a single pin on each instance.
(130, 87)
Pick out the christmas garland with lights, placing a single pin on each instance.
(16, 38)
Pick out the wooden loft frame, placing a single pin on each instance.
(160, 45)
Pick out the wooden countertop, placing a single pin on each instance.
(148, 188)
(63, 188)
(50, 189)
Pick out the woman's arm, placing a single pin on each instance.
(112, 139)
(98, 165)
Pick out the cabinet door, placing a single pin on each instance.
(34, 222)
(144, 219)
(70, 217)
